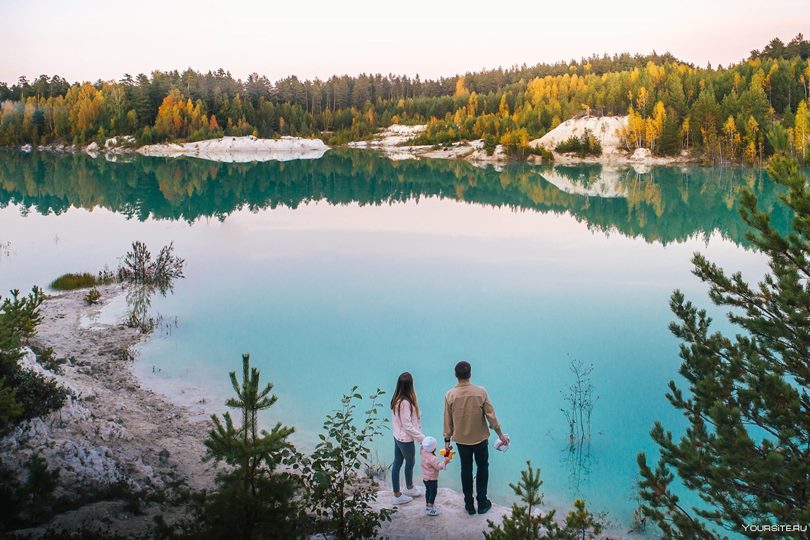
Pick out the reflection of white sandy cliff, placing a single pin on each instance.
(608, 183)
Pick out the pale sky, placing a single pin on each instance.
(90, 39)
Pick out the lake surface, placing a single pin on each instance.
(350, 269)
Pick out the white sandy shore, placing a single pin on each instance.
(392, 142)
(608, 130)
(241, 149)
(112, 429)
(226, 149)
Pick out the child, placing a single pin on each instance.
(431, 465)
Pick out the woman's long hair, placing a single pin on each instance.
(404, 392)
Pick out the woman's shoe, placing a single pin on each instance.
(432, 511)
(412, 492)
(402, 499)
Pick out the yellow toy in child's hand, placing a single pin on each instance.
(443, 452)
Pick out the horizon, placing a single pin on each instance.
(444, 41)
(31, 77)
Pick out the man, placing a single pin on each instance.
(467, 410)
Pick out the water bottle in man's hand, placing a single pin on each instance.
(501, 445)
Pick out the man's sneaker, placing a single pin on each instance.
(412, 492)
(402, 499)
(432, 511)
(484, 507)
(470, 509)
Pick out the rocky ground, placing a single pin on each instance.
(113, 439)
(453, 523)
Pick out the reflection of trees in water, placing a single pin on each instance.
(146, 277)
(664, 204)
(578, 459)
(580, 399)
(139, 302)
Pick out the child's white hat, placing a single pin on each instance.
(429, 444)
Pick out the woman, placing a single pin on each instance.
(407, 427)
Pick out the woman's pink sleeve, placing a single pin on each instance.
(406, 417)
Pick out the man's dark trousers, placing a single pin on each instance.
(466, 454)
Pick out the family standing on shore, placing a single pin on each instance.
(468, 417)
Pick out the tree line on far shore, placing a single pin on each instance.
(743, 112)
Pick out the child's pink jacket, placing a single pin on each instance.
(431, 465)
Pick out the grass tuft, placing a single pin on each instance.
(72, 281)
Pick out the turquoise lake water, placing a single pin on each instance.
(353, 268)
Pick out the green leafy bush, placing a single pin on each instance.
(544, 153)
(490, 144)
(36, 394)
(441, 132)
(339, 493)
(10, 408)
(585, 145)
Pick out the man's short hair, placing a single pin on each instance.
(463, 370)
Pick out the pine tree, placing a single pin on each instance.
(19, 317)
(524, 522)
(527, 523)
(23, 393)
(669, 142)
(746, 448)
(253, 498)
